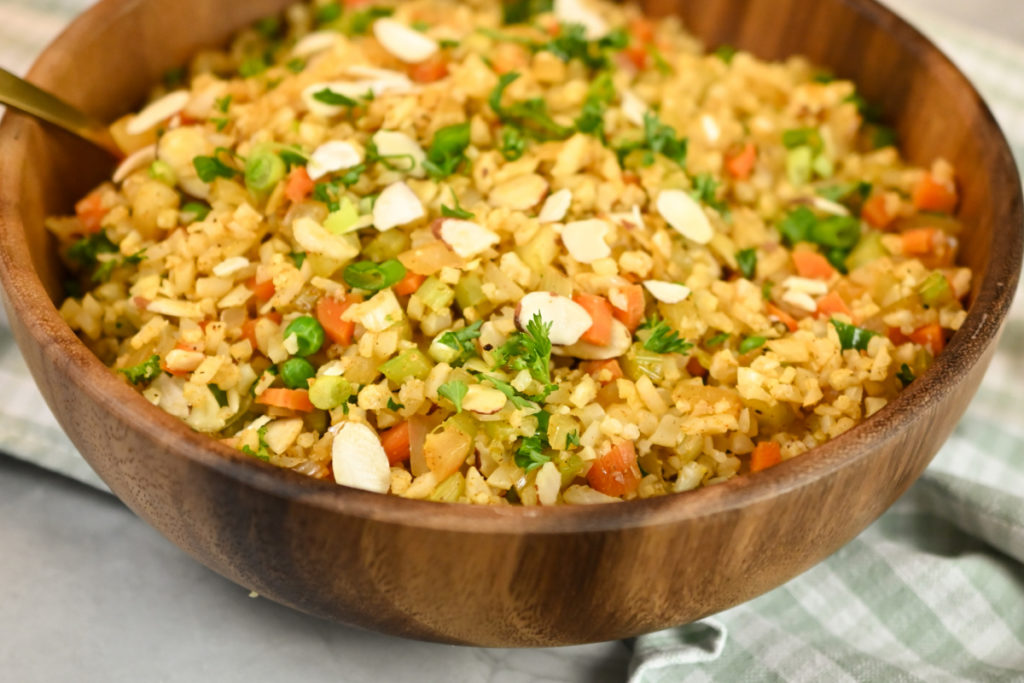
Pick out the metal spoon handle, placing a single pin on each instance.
(23, 96)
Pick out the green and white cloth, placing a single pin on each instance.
(933, 591)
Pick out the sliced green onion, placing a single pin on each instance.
(263, 171)
(751, 343)
(935, 290)
(837, 232)
(747, 260)
(851, 336)
(373, 277)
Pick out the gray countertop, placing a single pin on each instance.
(88, 592)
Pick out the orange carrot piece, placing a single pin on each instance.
(932, 195)
(328, 314)
(897, 337)
(600, 310)
(813, 265)
(264, 291)
(785, 318)
(409, 284)
(642, 30)
(91, 212)
(433, 69)
(616, 472)
(636, 55)
(832, 303)
(876, 212)
(919, 241)
(695, 369)
(289, 399)
(396, 443)
(766, 454)
(604, 371)
(741, 164)
(930, 336)
(633, 314)
(299, 185)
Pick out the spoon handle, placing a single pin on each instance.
(25, 97)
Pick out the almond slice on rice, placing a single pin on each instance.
(466, 238)
(633, 108)
(667, 292)
(483, 400)
(158, 112)
(556, 206)
(392, 143)
(315, 238)
(568, 319)
(685, 215)
(134, 162)
(577, 12)
(315, 43)
(585, 240)
(396, 205)
(408, 44)
(335, 155)
(359, 460)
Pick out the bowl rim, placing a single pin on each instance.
(33, 308)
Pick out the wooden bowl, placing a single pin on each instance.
(502, 576)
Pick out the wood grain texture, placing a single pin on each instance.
(503, 576)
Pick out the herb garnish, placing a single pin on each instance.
(663, 339)
(462, 341)
(528, 350)
(454, 391)
(145, 371)
(851, 336)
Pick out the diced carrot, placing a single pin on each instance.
(812, 265)
(930, 194)
(299, 185)
(433, 69)
(930, 336)
(785, 318)
(876, 212)
(355, 4)
(832, 303)
(600, 310)
(633, 314)
(896, 336)
(264, 291)
(604, 371)
(91, 212)
(741, 164)
(636, 54)
(329, 312)
(616, 472)
(396, 443)
(919, 241)
(289, 399)
(695, 369)
(766, 454)
(642, 30)
(409, 284)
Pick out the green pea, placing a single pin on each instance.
(308, 332)
(296, 373)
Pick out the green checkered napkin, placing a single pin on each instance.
(933, 591)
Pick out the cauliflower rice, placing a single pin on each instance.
(529, 253)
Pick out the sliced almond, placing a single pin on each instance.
(403, 42)
(483, 400)
(549, 483)
(396, 205)
(633, 108)
(800, 300)
(685, 215)
(806, 285)
(281, 434)
(315, 238)
(520, 193)
(183, 360)
(577, 12)
(230, 266)
(396, 144)
(466, 238)
(380, 313)
(387, 78)
(314, 43)
(358, 459)
(136, 161)
(556, 206)
(568, 319)
(585, 240)
(667, 292)
(712, 131)
(622, 339)
(332, 156)
(829, 206)
(158, 112)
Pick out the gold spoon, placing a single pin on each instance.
(25, 97)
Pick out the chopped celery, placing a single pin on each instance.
(435, 295)
(869, 249)
(935, 290)
(469, 293)
(465, 423)
(799, 165)
(541, 250)
(449, 490)
(329, 392)
(569, 468)
(411, 363)
(500, 431)
(824, 167)
(386, 245)
(639, 362)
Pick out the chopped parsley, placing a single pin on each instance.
(530, 116)
(521, 11)
(663, 339)
(510, 392)
(528, 350)
(906, 375)
(571, 43)
(572, 439)
(462, 341)
(335, 99)
(298, 258)
(747, 260)
(717, 340)
(659, 138)
(263, 451)
(751, 343)
(726, 53)
(253, 66)
(209, 168)
(102, 273)
(600, 94)
(851, 336)
(394, 405)
(705, 190)
(146, 371)
(219, 394)
(222, 104)
(530, 454)
(84, 252)
(454, 391)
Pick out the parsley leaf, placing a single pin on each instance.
(662, 139)
(530, 116)
(747, 259)
(462, 341)
(211, 168)
(454, 391)
(393, 405)
(263, 452)
(359, 22)
(146, 371)
(510, 392)
(851, 336)
(599, 96)
(663, 339)
(84, 251)
(530, 454)
(529, 350)
(513, 144)
(906, 375)
(335, 99)
(447, 150)
(521, 11)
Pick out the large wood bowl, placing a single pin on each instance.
(502, 576)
